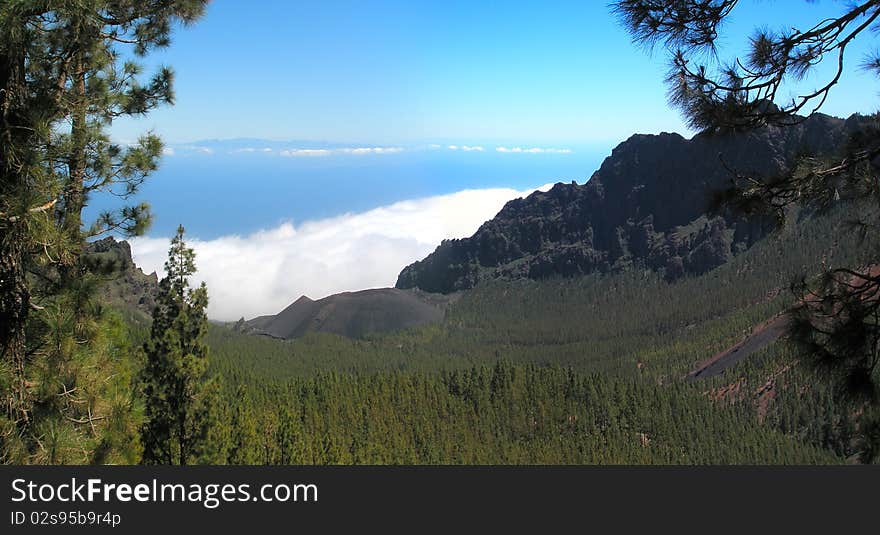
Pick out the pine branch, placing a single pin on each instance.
(35, 210)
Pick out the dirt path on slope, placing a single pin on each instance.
(762, 335)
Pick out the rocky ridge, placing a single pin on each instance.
(648, 205)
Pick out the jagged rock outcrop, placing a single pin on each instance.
(125, 285)
(648, 204)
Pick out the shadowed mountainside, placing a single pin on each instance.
(648, 204)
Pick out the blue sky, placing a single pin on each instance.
(321, 144)
(406, 72)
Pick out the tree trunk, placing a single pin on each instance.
(77, 167)
(14, 294)
(74, 189)
(14, 308)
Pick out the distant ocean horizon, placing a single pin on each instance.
(217, 188)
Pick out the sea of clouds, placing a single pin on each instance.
(263, 272)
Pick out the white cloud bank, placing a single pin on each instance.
(197, 149)
(372, 150)
(298, 152)
(466, 148)
(294, 153)
(251, 150)
(265, 271)
(533, 150)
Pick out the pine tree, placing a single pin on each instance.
(214, 449)
(174, 379)
(244, 447)
(62, 84)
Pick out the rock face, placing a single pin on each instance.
(351, 314)
(126, 284)
(646, 205)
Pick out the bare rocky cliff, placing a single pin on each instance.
(648, 205)
(125, 285)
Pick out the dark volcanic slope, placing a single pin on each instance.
(647, 204)
(352, 314)
(761, 336)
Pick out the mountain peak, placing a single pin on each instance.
(647, 204)
(352, 314)
(127, 286)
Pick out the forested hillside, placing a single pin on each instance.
(588, 370)
(622, 320)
